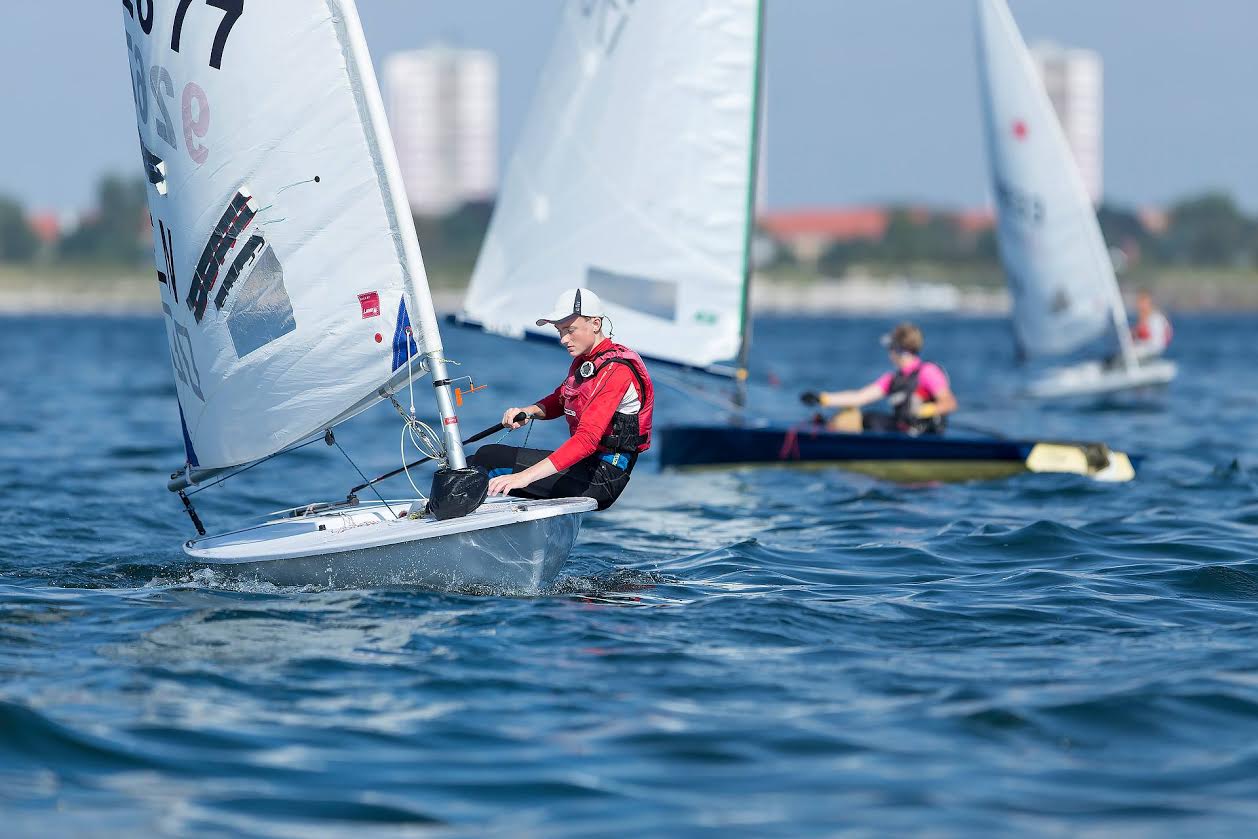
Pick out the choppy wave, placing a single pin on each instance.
(753, 653)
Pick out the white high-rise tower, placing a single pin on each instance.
(443, 111)
(1073, 80)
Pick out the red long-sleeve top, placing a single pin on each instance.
(610, 386)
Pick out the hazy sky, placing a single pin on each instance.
(869, 100)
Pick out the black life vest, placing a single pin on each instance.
(905, 402)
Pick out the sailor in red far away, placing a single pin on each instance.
(607, 400)
(1151, 334)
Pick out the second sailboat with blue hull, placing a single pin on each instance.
(635, 176)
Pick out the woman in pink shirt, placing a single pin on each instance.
(918, 391)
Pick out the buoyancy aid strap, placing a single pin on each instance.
(632, 369)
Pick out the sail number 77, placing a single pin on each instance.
(142, 12)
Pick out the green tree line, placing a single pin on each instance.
(1208, 230)
(1205, 230)
(117, 232)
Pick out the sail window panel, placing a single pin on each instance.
(262, 311)
(657, 298)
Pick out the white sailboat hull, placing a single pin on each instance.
(508, 544)
(1093, 379)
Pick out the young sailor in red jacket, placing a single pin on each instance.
(607, 399)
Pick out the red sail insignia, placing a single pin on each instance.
(370, 303)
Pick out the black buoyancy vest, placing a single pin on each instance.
(902, 394)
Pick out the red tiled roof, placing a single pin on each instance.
(841, 225)
(45, 226)
(975, 221)
(1154, 219)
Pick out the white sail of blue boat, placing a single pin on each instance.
(292, 284)
(1061, 279)
(634, 177)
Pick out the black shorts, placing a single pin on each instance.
(590, 478)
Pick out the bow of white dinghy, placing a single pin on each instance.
(507, 543)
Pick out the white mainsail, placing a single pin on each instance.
(287, 256)
(634, 177)
(1059, 272)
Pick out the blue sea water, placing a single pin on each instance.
(744, 653)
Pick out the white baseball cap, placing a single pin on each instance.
(574, 301)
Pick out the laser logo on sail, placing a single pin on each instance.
(243, 259)
(238, 215)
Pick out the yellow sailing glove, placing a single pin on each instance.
(930, 409)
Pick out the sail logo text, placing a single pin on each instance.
(194, 108)
(1020, 204)
(370, 304)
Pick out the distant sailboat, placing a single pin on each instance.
(294, 292)
(634, 177)
(1060, 276)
